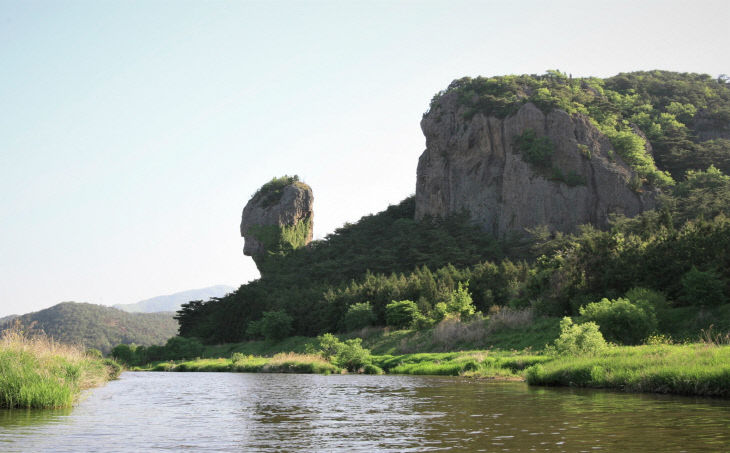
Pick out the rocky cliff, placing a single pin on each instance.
(278, 217)
(482, 165)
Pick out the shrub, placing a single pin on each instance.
(182, 348)
(358, 316)
(273, 325)
(535, 150)
(122, 353)
(577, 339)
(621, 321)
(460, 302)
(401, 314)
(349, 354)
(645, 297)
(352, 356)
(94, 353)
(702, 288)
(439, 312)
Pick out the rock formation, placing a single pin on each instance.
(475, 165)
(277, 218)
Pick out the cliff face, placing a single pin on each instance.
(475, 165)
(277, 218)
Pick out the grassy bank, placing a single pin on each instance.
(279, 363)
(691, 369)
(483, 364)
(41, 373)
(701, 369)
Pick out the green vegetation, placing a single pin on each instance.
(97, 326)
(273, 325)
(38, 372)
(279, 239)
(620, 320)
(535, 150)
(695, 369)
(270, 193)
(662, 276)
(401, 314)
(676, 112)
(359, 316)
(577, 339)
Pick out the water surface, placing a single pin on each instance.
(285, 412)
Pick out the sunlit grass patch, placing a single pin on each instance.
(38, 372)
(692, 369)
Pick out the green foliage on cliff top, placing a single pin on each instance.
(270, 193)
(679, 113)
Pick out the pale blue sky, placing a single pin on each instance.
(132, 133)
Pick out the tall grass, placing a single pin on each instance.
(288, 362)
(691, 369)
(38, 372)
(485, 364)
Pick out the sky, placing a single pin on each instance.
(132, 133)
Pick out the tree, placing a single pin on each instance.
(275, 325)
(401, 314)
(702, 288)
(359, 315)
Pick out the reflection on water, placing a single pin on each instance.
(275, 412)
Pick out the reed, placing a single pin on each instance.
(39, 372)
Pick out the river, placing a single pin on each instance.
(287, 412)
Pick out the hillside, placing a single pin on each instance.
(97, 326)
(656, 134)
(172, 302)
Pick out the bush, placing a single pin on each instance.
(644, 297)
(178, 348)
(535, 150)
(358, 316)
(702, 288)
(349, 354)
(460, 302)
(577, 339)
(273, 325)
(401, 314)
(352, 356)
(621, 321)
(122, 353)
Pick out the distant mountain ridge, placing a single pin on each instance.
(172, 302)
(97, 326)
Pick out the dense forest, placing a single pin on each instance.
(673, 257)
(97, 326)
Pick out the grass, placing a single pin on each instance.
(38, 372)
(484, 364)
(701, 369)
(502, 348)
(280, 363)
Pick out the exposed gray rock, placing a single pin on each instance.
(270, 213)
(473, 165)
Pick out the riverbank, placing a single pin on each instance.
(700, 369)
(39, 372)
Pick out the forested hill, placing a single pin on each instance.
(97, 326)
(672, 128)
